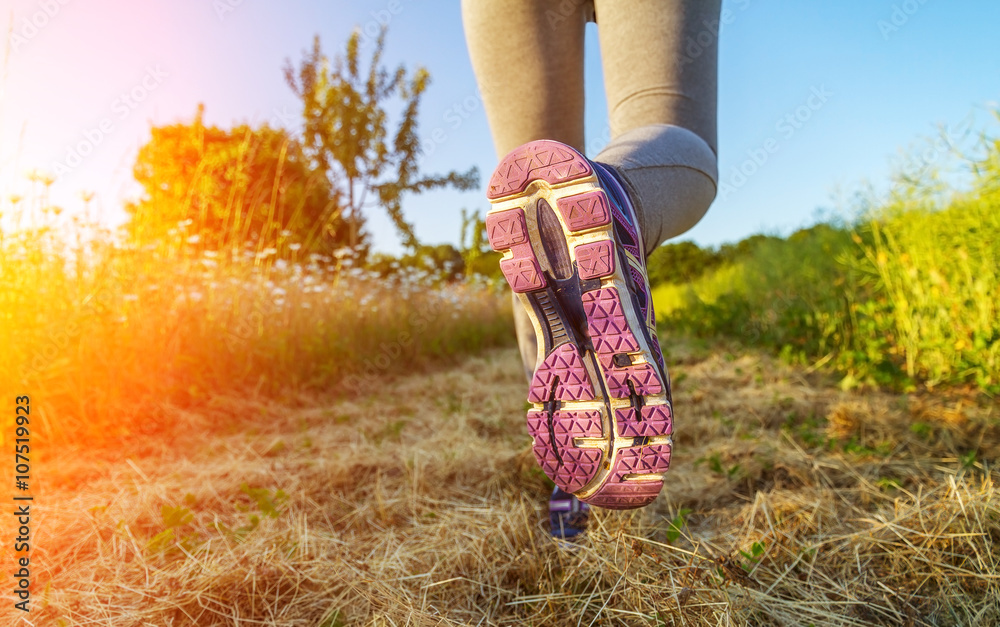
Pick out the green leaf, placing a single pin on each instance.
(175, 516)
(674, 530)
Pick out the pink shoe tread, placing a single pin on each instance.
(655, 421)
(563, 367)
(544, 160)
(569, 466)
(595, 260)
(507, 230)
(585, 211)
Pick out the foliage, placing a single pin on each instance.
(682, 262)
(440, 262)
(480, 259)
(346, 133)
(235, 186)
(475, 260)
(679, 262)
(937, 280)
(112, 334)
(906, 295)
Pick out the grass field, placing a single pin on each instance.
(106, 333)
(254, 435)
(790, 502)
(905, 296)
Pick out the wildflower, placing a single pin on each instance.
(294, 247)
(194, 239)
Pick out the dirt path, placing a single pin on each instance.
(421, 504)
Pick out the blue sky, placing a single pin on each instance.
(878, 74)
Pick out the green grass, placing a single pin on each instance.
(103, 335)
(906, 296)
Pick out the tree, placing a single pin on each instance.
(679, 262)
(236, 186)
(346, 133)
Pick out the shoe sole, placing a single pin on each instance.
(601, 416)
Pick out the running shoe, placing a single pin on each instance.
(601, 414)
(567, 515)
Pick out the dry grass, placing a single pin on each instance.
(423, 506)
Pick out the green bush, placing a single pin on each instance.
(907, 294)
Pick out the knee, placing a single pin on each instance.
(675, 198)
(691, 194)
(674, 172)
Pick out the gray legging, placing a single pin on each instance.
(660, 62)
